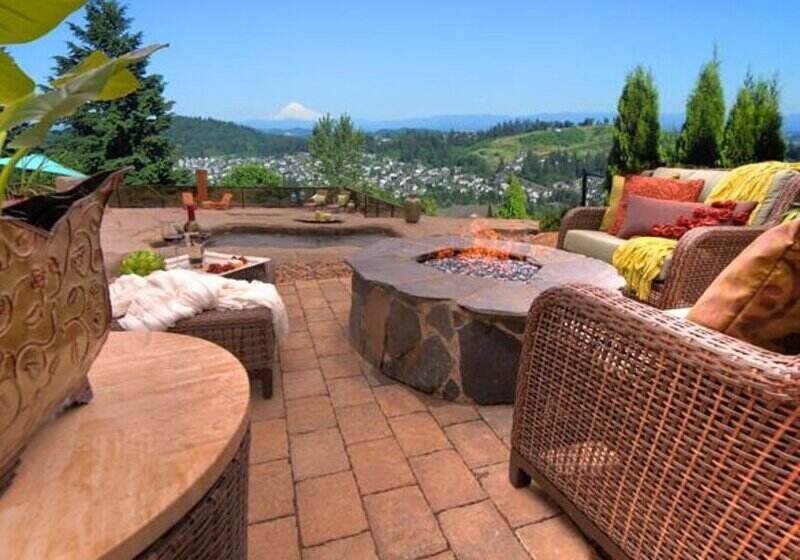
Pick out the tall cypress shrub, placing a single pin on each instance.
(635, 145)
(700, 141)
(769, 139)
(754, 131)
(739, 139)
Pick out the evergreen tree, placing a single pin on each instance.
(515, 205)
(769, 139)
(339, 148)
(636, 127)
(739, 140)
(131, 131)
(700, 141)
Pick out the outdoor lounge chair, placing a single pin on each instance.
(222, 204)
(701, 254)
(658, 437)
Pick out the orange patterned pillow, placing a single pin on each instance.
(655, 187)
(756, 298)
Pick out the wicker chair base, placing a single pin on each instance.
(216, 527)
(520, 473)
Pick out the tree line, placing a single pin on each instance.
(204, 137)
(751, 131)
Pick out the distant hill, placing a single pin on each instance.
(578, 140)
(201, 137)
(472, 123)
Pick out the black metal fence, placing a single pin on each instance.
(170, 196)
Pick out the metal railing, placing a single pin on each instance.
(169, 196)
(585, 174)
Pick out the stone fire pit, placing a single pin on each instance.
(455, 335)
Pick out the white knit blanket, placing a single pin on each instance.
(161, 299)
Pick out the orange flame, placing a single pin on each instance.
(489, 247)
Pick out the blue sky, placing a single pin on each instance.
(243, 59)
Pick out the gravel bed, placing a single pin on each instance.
(285, 273)
(486, 267)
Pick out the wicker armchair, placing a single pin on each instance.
(700, 256)
(660, 438)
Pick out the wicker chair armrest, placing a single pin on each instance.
(702, 246)
(701, 255)
(583, 217)
(597, 327)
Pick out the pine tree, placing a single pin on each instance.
(739, 140)
(700, 141)
(515, 205)
(769, 139)
(131, 131)
(636, 127)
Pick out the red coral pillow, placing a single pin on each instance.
(722, 213)
(655, 187)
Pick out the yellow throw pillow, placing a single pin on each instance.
(617, 186)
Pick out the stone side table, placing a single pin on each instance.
(154, 467)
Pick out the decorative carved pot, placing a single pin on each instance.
(413, 209)
(54, 308)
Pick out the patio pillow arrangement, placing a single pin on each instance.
(653, 227)
(756, 298)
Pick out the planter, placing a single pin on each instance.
(413, 210)
(54, 308)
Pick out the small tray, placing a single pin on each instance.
(211, 257)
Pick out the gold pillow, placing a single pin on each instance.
(756, 297)
(617, 186)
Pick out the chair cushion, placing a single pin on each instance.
(710, 177)
(617, 185)
(781, 181)
(590, 243)
(601, 246)
(653, 187)
(756, 298)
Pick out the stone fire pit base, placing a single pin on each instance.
(454, 336)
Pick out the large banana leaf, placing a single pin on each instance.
(14, 83)
(25, 20)
(99, 79)
(121, 84)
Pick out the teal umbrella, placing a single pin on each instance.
(39, 162)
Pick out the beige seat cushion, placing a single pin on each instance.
(601, 246)
(710, 177)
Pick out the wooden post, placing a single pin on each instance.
(201, 175)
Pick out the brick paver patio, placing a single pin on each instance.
(346, 464)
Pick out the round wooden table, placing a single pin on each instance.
(155, 464)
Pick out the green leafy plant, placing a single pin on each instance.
(142, 263)
(251, 175)
(31, 112)
(515, 205)
(429, 206)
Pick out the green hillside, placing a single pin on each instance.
(578, 140)
(200, 137)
